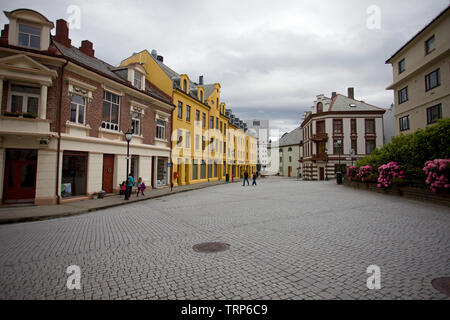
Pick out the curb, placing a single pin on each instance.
(107, 206)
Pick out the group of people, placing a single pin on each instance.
(246, 175)
(127, 187)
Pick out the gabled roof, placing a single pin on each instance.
(342, 103)
(292, 138)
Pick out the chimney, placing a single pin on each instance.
(62, 33)
(200, 80)
(4, 36)
(87, 48)
(351, 93)
(160, 58)
(333, 95)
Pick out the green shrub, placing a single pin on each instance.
(412, 151)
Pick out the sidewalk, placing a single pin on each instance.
(13, 214)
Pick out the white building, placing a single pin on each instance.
(261, 128)
(337, 132)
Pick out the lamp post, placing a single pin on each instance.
(339, 173)
(128, 137)
(326, 164)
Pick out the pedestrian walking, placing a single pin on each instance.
(141, 187)
(130, 182)
(254, 179)
(246, 178)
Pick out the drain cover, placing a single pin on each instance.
(210, 247)
(442, 285)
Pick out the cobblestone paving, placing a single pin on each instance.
(289, 240)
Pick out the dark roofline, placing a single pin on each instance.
(418, 34)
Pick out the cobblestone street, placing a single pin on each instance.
(288, 240)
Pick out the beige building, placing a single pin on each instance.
(421, 71)
(289, 150)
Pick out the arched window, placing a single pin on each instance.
(185, 88)
(290, 149)
(319, 107)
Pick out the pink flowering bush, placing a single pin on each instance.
(365, 172)
(388, 172)
(352, 173)
(438, 173)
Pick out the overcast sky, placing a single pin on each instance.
(271, 57)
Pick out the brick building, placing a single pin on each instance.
(64, 115)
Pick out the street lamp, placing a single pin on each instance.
(352, 153)
(128, 137)
(326, 164)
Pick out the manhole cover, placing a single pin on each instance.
(210, 247)
(442, 285)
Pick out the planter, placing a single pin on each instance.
(12, 114)
(30, 115)
(442, 197)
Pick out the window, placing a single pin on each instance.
(29, 36)
(319, 107)
(77, 109)
(203, 143)
(290, 158)
(201, 96)
(402, 66)
(211, 122)
(188, 113)
(429, 45)
(197, 115)
(403, 95)
(111, 104)
(338, 146)
(370, 146)
(217, 103)
(370, 126)
(224, 128)
(434, 113)
(353, 127)
(256, 123)
(203, 170)
(433, 80)
(197, 142)
(355, 146)
(24, 99)
(211, 144)
(74, 174)
(404, 123)
(337, 126)
(320, 127)
(221, 126)
(209, 170)
(180, 110)
(161, 129)
(185, 86)
(217, 123)
(188, 140)
(195, 170)
(136, 123)
(290, 150)
(203, 120)
(179, 137)
(138, 80)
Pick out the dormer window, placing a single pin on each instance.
(29, 36)
(319, 107)
(185, 86)
(138, 80)
(201, 96)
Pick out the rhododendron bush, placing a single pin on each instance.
(352, 173)
(387, 173)
(364, 172)
(438, 173)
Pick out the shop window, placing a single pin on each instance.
(74, 174)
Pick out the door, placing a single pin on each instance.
(289, 171)
(108, 173)
(20, 176)
(321, 173)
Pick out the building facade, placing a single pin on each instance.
(261, 129)
(208, 141)
(421, 77)
(65, 114)
(337, 132)
(289, 151)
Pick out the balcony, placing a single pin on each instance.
(320, 137)
(13, 125)
(322, 156)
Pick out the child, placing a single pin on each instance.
(122, 188)
(141, 187)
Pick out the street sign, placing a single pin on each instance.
(169, 165)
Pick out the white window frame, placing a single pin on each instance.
(137, 82)
(112, 126)
(78, 110)
(136, 119)
(29, 35)
(188, 139)
(162, 128)
(25, 97)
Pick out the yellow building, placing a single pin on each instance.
(208, 141)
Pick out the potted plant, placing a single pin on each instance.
(30, 115)
(12, 114)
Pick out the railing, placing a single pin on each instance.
(321, 136)
(320, 157)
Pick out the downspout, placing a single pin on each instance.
(58, 152)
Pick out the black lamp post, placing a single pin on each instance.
(128, 137)
(326, 164)
(339, 173)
